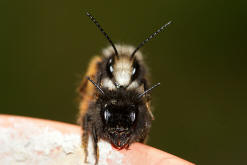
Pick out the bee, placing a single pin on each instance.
(114, 96)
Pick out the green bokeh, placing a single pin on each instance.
(200, 60)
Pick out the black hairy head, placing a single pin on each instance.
(124, 117)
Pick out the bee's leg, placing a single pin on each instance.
(85, 144)
(85, 137)
(95, 145)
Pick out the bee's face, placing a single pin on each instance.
(119, 122)
(121, 117)
(122, 71)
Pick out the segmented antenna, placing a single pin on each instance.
(95, 85)
(102, 30)
(148, 90)
(150, 37)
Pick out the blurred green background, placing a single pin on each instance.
(200, 60)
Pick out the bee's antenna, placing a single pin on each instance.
(102, 30)
(95, 85)
(148, 90)
(150, 37)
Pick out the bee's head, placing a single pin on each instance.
(123, 70)
(119, 114)
(119, 122)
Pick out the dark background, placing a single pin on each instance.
(200, 60)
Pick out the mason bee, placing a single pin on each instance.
(114, 96)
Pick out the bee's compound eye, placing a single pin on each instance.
(111, 69)
(132, 116)
(107, 115)
(133, 71)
